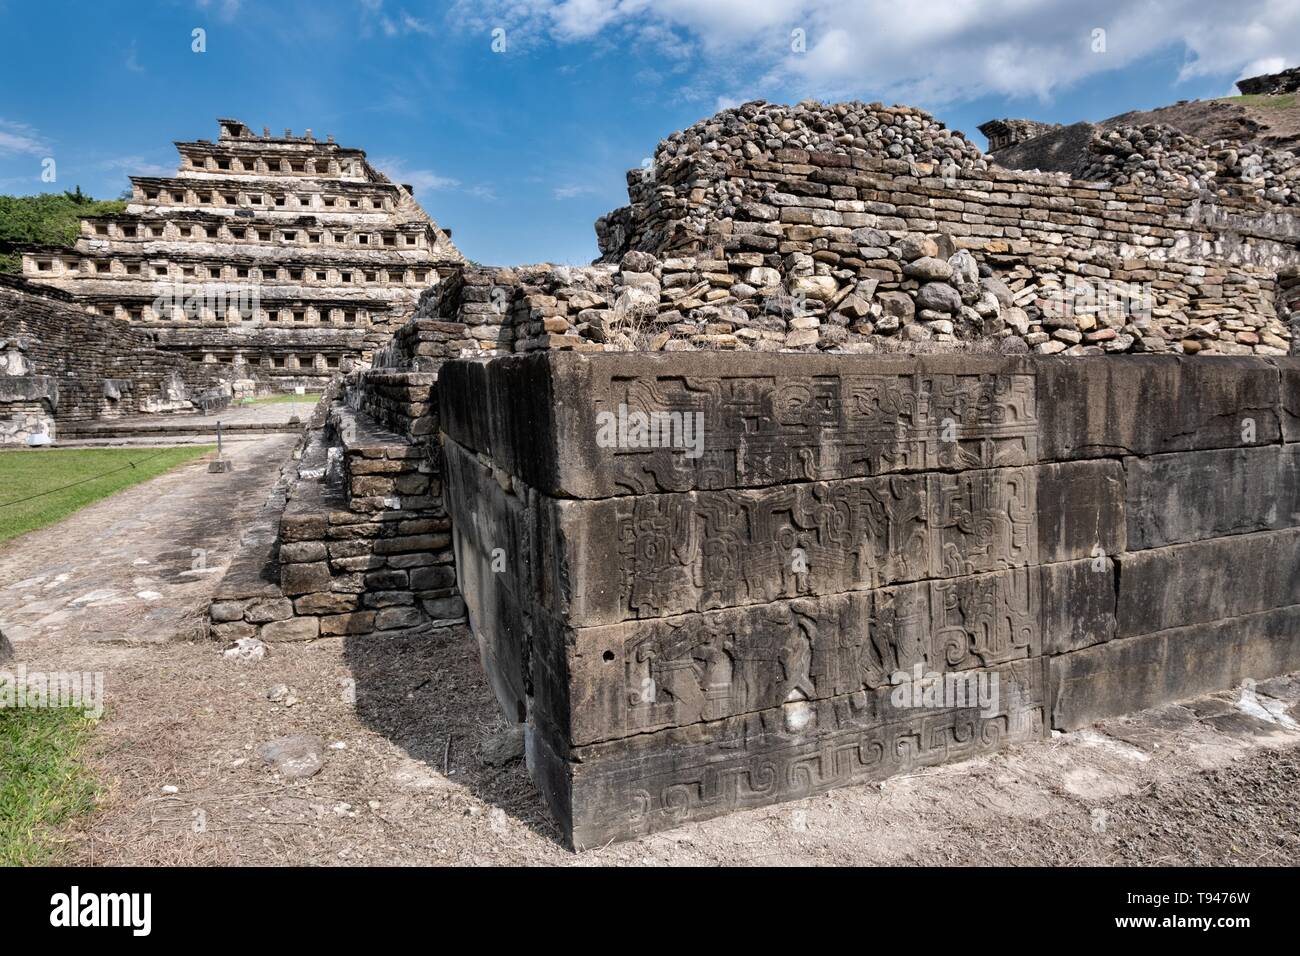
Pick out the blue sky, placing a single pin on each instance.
(519, 151)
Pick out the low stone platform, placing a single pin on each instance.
(707, 582)
(268, 418)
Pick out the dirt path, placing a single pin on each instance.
(404, 721)
(135, 567)
(404, 781)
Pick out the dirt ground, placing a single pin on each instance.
(405, 721)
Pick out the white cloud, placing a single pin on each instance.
(424, 180)
(133, 61)
(1269, 64)
(224, 9)
(136, 166)
(21, 139)
(397, 24)
(572, 192)
(939, 53)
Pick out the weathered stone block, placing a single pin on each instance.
(1078, 604)
(1080, 510)
(387, 598)
(326, 603)
(369, 562)
(232, 631)
(386, 580)
(303, 527)
(294, 629)
(602, 683)
(429, 578)
(390, 618)
(361, 622)
(448, 608)
(1205, 494)
(304, 578)
(629, 788)
(1289, 369)
(1207, 580)
(721, 420)
(221, 612)
(302, 552)
(1144, 405)
(418, 542)
(1133, 673)
(263, 612)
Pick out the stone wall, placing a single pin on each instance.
(768, 213)
(362, 543)
(853, 227)
(813, 571)
(358, 544)
(60, 365)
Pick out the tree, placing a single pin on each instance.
(49, 219)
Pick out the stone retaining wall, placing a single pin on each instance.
(782, 237)
(361, 542)
(60, 365)
(853, 566)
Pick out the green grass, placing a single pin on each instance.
(44, 783)
(1264, 101)
(310, 397)
(34, 483)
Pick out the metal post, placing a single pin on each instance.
(221, 465)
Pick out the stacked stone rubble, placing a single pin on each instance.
(1271, 84)
(362, 544)
(848, 227)
(1160, 155)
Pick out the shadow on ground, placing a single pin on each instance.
(425, 691)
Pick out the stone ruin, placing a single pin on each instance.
(1271, 84)
(61, 370)
(280, 260)
(931, 503)
(1002, 133)
(710, 582)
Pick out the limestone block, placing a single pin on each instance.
(629, 788)
(294, 629)
(736, 420)
(298, 579)
(1098, 407)
(1134, 673)
(1078, 604)
(1188, 496)
(1081, 510)
(1207, 580)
